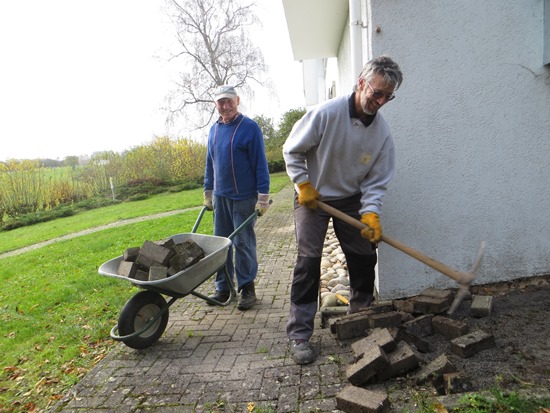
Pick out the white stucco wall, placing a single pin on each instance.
(471, 125)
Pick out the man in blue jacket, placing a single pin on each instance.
(236, 179)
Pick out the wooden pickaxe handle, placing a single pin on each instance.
(462, 278)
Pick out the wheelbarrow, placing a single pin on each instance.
(144, 317)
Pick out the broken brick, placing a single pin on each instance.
(401, 360)
(377, 337)
(472, 343)
(152, 254)
(401, 335)
(185, 254)
(405, 305)
(131, 254)
(353, 399)
(387, 319)
(351, 325)
(481, 306)
(366, 366)
(434, 370)
(448, 327)
(127, 269)
(431, 305)
(157, 272)
(141, 275)
(420, 326)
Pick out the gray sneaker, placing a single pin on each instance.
(302, 352)
(248, 297)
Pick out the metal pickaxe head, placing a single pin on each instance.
(466, 282)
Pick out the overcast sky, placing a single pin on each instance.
(80, 76)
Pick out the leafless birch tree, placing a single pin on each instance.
(215, 49)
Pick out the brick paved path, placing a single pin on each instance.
(214, 359)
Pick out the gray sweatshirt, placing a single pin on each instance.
(340, 156)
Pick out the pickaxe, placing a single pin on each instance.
(464, 279)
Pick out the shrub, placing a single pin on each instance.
(138, 197)
(97, 202)
(276, 166)
(32, 218)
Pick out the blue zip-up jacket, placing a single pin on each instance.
(236, 165)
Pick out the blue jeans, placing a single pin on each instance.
(228, 215)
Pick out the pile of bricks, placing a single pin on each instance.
(390, 336)
(158, 260)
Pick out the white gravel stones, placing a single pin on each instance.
(334, 275)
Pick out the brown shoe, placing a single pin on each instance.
(248, 297)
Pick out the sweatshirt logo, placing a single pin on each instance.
(366, 158)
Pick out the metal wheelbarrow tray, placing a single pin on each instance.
(145, 316)
(184, 282)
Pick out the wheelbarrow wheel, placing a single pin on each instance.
(137, 313)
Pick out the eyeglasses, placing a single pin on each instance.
(376, 94)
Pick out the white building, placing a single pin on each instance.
(471, 125)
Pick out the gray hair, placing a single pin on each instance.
(383, 66)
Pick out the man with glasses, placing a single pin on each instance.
(341, 152)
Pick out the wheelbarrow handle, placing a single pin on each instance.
(244, 224)
(255, 214)
(199, 219)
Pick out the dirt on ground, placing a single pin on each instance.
(519, 361)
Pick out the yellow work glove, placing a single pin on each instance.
(374, 231)
(208, 200)
(307, 195)
(263, 204)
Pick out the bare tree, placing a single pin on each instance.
(216, 49)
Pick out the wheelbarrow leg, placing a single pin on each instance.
(228, 280)
(232, 292)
